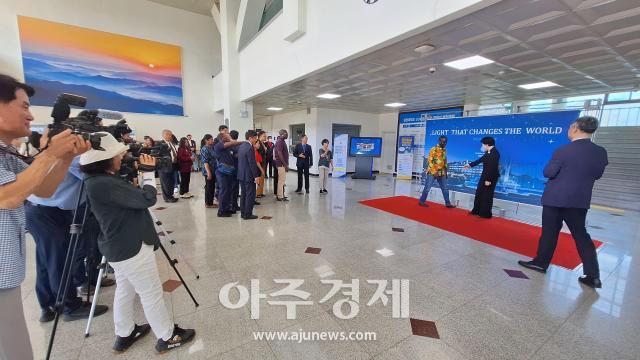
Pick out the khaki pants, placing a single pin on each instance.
(282, 179)
(14, 337)
(323, 171)
(260, 188)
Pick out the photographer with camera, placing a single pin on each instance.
(128, 241)
(17, 182)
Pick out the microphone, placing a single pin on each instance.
(109, 115)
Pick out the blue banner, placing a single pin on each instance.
(415, 123)
(525, 142)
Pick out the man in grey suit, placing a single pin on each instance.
(248, 174)
(572, 171)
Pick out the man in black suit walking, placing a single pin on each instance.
(248, 174)
(572, 171)
(483, 202)
(304, 157)
(168, 175)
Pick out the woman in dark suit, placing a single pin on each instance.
(490, 173)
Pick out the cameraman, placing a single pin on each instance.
(18, 181)
(128, 241)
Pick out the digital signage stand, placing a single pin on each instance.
(364, 168)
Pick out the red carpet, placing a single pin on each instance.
(505, 234)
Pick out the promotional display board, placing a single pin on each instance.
(340, 153)
(414, 124)
(405, 157)
(525, 142)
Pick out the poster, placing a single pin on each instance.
(340, 153)
(112, 71)
(405, 158)
(525, 142)
(415, 123)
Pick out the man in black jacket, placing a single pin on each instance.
(490, 173)
(572, 171)
(304, 156)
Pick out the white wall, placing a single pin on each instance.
(195, 34)
(337, 30)
(388, 128)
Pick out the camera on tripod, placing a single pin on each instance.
(87, 123)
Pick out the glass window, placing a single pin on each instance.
(540, 105)
(271, 9)
(620, 96)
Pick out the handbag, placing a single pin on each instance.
(226, 169)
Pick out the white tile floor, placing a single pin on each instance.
(457, 282)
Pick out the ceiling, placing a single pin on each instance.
(586, 46)
(202, 7)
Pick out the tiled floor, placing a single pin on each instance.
(458, 283)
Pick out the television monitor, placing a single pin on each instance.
(365, 146)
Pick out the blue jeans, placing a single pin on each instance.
(442, 181)
(49, 227)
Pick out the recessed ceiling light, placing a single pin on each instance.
(395, 104)
(385, 252)
(274, 108)
(538, 85)
(468, 63)
(422, 49)
(328, 96)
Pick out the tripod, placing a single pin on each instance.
(103, 265)
(75, 230)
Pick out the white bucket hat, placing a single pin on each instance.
(111, 148)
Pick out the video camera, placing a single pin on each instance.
(161, 152)
(87, 123)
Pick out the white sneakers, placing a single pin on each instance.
(186, 196)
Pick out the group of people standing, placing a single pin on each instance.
(236, 170)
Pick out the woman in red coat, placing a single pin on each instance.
(185, 162)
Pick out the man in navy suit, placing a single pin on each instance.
(572, 171)
(248, 174)
(304, 157)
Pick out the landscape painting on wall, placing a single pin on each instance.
(113, 72)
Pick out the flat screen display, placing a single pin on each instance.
(365, 146)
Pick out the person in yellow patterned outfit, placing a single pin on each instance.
(436, 171)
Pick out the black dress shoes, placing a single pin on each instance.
(590, 282)
(47, 315)
(250, 217)
(224, 215)
(451, 206)
(423, 204)
(531, 266)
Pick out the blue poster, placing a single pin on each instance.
(414, 124)
(405, 158)
(525, 142)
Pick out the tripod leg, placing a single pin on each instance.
(172, 242)
(103, 265)
(173, 265)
